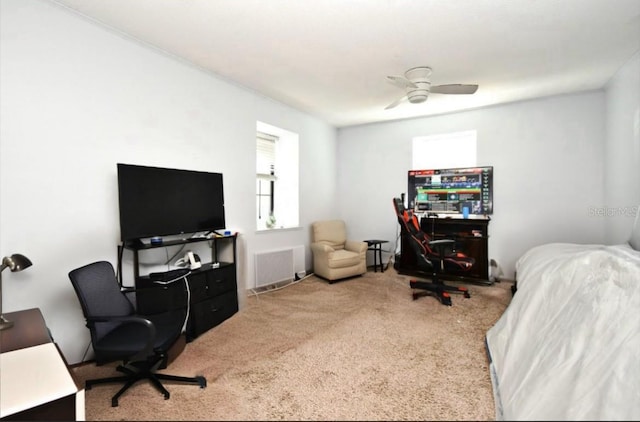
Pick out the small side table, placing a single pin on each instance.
(375, 245)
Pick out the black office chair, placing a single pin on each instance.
(141, 342)
(432, 256)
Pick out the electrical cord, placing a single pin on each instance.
(396, 243)
(186, 317)
(193, 236)
(120, 253)
(186, 285)
(256, 293)
(168, 261)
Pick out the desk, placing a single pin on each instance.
(375, 245)
(35, 381)
(471, 236)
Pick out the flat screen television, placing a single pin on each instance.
(157, 201)
(450, 190)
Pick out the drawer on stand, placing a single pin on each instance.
(211, 283)
(152, 298)
(211, 312)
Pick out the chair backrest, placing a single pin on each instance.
(419, 241)
(99, 294)
(410, 225)
(330, 232)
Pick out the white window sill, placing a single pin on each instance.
(278, 229)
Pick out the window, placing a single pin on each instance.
(266, 179)
(276, 178)
(449, 150)
(426, 190)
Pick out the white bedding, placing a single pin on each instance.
(568, 345)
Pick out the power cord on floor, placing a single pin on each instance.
(273, 288)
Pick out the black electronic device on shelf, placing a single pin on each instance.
(169, 276)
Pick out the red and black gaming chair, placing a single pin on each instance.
(432, 255)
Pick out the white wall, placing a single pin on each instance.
(622, 152)
(75, 99)
(548, 169)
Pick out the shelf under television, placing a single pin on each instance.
(138, 244)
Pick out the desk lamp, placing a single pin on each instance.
(15, 263)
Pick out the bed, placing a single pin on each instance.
(568, 345)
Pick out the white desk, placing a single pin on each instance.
(35, 382)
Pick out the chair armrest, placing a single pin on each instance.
(321, 248)
(129, 318)
(442, 242)
(356, 246)
(147, 350)
(440, 246)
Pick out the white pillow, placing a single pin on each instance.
(634, 241)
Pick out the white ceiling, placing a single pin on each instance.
(331, 57)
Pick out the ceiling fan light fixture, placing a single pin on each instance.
(418, 98)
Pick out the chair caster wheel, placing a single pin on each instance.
(467, 295)
(202, 381)
(445, 298)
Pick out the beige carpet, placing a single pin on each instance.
(359, 349)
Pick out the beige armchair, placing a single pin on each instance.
(335, 257)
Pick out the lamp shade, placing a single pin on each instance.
(16, 262)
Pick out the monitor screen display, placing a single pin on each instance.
(157, 201)
(451, 190)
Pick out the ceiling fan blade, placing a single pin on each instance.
(401, 82)
(454, 89)
(396, 102)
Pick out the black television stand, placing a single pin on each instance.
(213, 289)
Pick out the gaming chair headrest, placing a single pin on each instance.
(405, 216)
(398, 205)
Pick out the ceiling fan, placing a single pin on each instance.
(417, 83)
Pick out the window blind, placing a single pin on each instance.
(266, 156)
